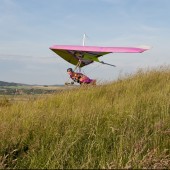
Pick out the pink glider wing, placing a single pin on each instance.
(89, 54)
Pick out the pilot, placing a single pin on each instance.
(80, 78)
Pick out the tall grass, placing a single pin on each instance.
(124, 124)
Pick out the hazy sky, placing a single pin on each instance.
(29, 27)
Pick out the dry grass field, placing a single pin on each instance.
(123, 124)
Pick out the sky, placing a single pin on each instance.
(29, 27)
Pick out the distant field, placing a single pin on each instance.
(53, 87)
(29, 93)
(23, 90)
(33, 87)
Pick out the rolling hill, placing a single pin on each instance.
(3, 83)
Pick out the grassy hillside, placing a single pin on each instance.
(124, 124)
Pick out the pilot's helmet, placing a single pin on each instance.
(69, 70)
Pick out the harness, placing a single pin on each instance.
(76, 77)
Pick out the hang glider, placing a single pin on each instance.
(84, 55)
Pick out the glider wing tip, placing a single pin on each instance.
(146, 47)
